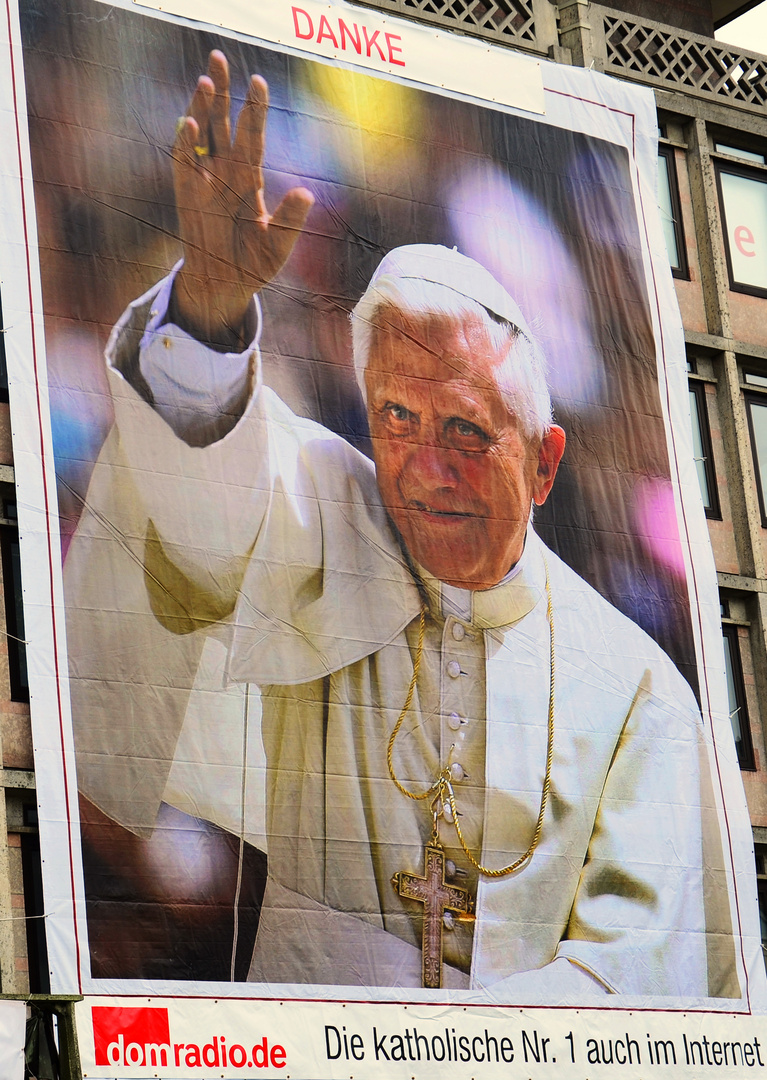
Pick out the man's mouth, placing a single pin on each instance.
(445, 514)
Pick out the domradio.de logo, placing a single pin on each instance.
(134, 1037)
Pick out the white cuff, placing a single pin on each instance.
(194, 388)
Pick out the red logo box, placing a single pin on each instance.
(125, 1036)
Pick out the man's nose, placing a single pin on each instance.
(432, 468)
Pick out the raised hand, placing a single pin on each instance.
(232, 245)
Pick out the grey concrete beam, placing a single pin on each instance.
(17, 778)
(739, 583)
(725, 115)
(713, 344)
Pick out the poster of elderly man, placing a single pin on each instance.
(391, 660)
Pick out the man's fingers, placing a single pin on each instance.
(288, 220)
(220, 140)
(188, 136)
(186, 173)
(199, 109)
(251, 126)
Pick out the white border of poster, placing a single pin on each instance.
(571, 98)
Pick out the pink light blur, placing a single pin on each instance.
(656, 522)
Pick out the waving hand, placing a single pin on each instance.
(233, 246)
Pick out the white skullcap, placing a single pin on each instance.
(449, 268)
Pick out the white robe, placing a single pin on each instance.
(273, 539)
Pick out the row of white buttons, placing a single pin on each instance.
(454, 721)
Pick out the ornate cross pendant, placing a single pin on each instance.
(437, 897)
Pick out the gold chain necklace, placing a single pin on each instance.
(442, 788)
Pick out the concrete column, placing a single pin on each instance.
(8, 975)
(708, 230)
(580, 31)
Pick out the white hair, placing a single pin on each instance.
(521, 377)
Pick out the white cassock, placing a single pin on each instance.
(270, 547)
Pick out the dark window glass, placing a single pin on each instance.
(14, 614)
(743, 200)
(3, 366)
(736, 695)
(756, 408)
(671, 211)
(760, 853)
(701, 449)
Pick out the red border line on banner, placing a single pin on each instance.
(46, 494)
(219, 999)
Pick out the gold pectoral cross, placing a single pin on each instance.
(437, 897)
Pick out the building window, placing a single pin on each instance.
(736, 695)
(743, 200)
(701, 449)
(736, 151)
(756, 409)
(760, 853)
(14, 609)
(3, 365)
(671, 211)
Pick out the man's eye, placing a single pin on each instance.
(464, 435)
(398, 418)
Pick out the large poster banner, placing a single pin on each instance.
(374, 643)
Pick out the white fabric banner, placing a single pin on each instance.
(13, 1021)
(231, 870)
(382, 44)
(300, 1040)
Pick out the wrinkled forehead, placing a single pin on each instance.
(437, 347)
(415, 343)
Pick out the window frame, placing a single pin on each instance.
(746, 759)
(760, 858)
(682, 272)
(749, 172)
(698, 388)
(750, 397)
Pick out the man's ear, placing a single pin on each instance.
(549, 456)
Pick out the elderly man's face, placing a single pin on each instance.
(455, 471)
